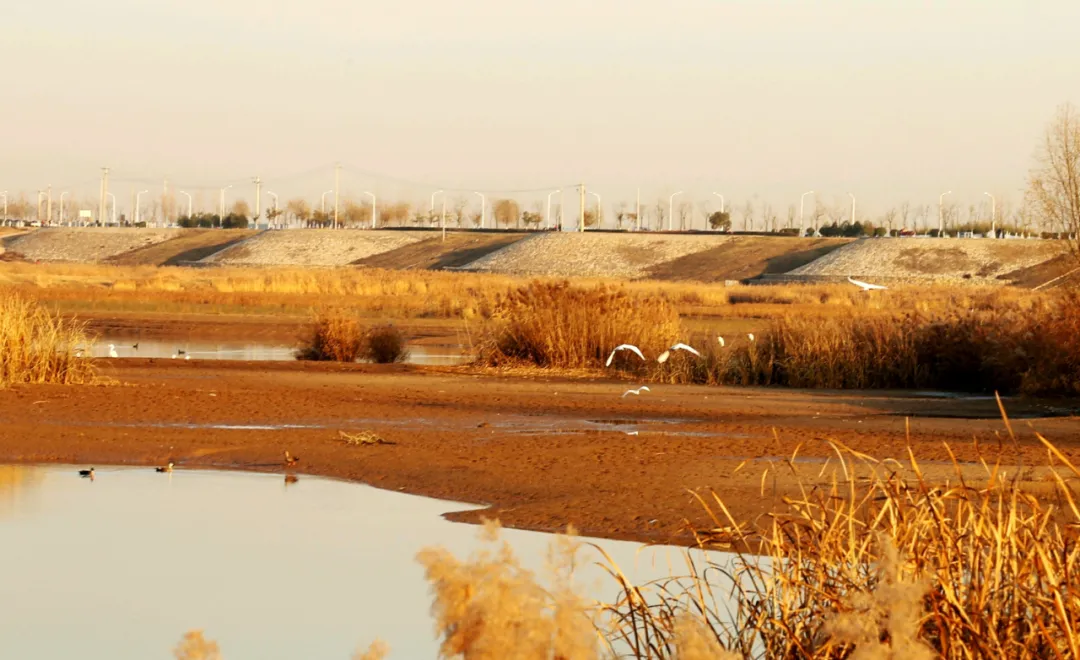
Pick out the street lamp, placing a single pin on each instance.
(138, 206)
(671, 209)
(274, 195)
(802, 208)
(721, 201)
(221, 215)
(852, 207)
(62, 195)
(113, 198)
(322, 201)
(431, 209)
(597, 196)
(941, 213)
(993, 215)
(547, 213)
(188, 203)
(483, 208)
(374, 216)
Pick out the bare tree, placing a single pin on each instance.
(1054, 181)
(621, 215)
(922, 213)
(905, 215)
(506, 212)
(791, 213)
(458, 207)
(684, 209)
(888, 218)
(748, 216)
(768, 216)
(660, 211)
(299, 209)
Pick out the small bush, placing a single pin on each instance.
(335, 337)
(385, 345)
(39, 347)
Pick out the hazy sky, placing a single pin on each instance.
(891, 99)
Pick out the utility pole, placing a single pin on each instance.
(258, 201)
(337, 189)
(581, 214)
(134, 205)
(993, 215)
(48, 205)
(104, 194)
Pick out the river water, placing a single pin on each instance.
(121, 566)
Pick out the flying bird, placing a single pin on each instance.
(750, 335)
(638, 391)
(866, 286)
(167, 468)
(677, 347)
(112, 351)
(721, 340)
(623, 347)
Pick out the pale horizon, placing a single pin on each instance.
(757, 101)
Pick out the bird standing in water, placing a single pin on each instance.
(167, 468)
(291, 460)
(87, 473)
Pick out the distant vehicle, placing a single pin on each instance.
(907, 232)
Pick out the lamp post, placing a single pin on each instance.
(671, 209)
(113, 198)
(62, 195)
(721, 205)
(322, 201)
(941, 213)
(993, 215)
(188, 203)
(138, 205)
(221, 213)
(374, 212)
(802, 208)
(547, 213)
(483, 208)
(431, 209)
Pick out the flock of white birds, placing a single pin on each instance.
(666, 355)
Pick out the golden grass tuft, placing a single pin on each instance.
(559, 325)
(37, 346)
(193, 646)
(333, 337)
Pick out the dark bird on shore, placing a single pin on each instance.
(86, 473)
(167, 468)
(180, 352)
(291, 460)
(135, 345)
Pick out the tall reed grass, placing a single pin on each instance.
(340, 336)
(558, 325)
(37, 346)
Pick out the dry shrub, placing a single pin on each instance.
(491, 607)
(37, 346)
(882, 564)
(558, 325)
(193, 646)
(334, 337)
(385, 345)
(1008, 346)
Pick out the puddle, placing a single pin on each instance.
(255, 352)
(122, 566)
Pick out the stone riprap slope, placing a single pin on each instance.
(312, 247)
(946, 260)
(84, 244)
(624, 256)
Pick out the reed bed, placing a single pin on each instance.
(37, 346)
(558, 325)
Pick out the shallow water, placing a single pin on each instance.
(121, 566)
(226, 350)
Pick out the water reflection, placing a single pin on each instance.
(120, 567)
(18, 482)
(126, 347)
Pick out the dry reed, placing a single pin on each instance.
(558, 325)
(40, 347)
